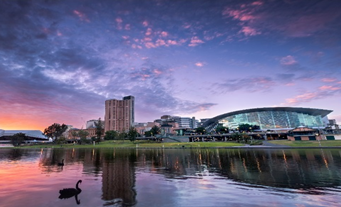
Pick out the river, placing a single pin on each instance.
(170, 177)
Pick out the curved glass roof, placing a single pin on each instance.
(309, 111)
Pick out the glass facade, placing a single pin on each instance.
(273, 120)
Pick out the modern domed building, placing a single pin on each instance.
(272, 118)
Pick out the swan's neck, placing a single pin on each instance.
(77, 186)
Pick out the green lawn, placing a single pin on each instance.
(152, 144)
(140, 144)
(324, 143)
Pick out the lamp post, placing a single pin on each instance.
(318, 139)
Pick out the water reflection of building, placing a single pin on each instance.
(296, 169)
(118, 178)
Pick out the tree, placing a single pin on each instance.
(245, 127)
(236, 136)
(155, 130)
(245, 137)
(61, 140)
(83, 134)
(55, 130)
(200, 130)
(110, 135)
(99, 129)
(132, 134)
(74, 134)
(222, 129)
(255, 127)
(148, 133)
(122, 135)
(18, 138)
(248, 127)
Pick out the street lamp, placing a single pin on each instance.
(318, 139)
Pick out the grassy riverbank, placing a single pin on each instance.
(152, 144)
(323, 143)
(139, 144)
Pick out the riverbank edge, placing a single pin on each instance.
(235, 147)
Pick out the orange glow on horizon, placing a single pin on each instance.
(18, 124)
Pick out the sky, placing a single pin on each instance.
(60, 60)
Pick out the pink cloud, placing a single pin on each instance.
(241, 15)
(248, 31)
(322, 92)
(172, 42)
(160, 42)
(149, 45)
(127, 27)
(288, 60)
(290, 84)
(164, 34)
(302, 98)
(195, 41)
(199, 64)
(331, 88)
(118, 20)
(147, 39)
(157, 72)
(134, 46)
(186, 26)
(81, 16)
(257, 3)
(119, 23)
(145, 23)
(144, 76)
(148, 32)
(306, 25)
(328, 80)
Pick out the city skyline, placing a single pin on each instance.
(60, 60)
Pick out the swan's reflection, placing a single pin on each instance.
(70, 192)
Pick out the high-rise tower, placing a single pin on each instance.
(119, 114)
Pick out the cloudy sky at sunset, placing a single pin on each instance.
(60, 60)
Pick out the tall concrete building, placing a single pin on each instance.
(119, 114)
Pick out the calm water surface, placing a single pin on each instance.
(165, 177)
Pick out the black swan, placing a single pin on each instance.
(61, 163)
(69, 192)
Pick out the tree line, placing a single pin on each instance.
(55, 132)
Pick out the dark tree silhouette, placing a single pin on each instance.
(55, 130)
(132, 134)
(18, 138)
(99, 129)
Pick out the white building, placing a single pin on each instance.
(91, 123)
(186, 122)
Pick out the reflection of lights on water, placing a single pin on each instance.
(284, 157)
(258, 166)
(176, 164)
(232, 168)
(244, 164)
(200, 161)
(324, 159)
(73, 152)
(325, 162)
